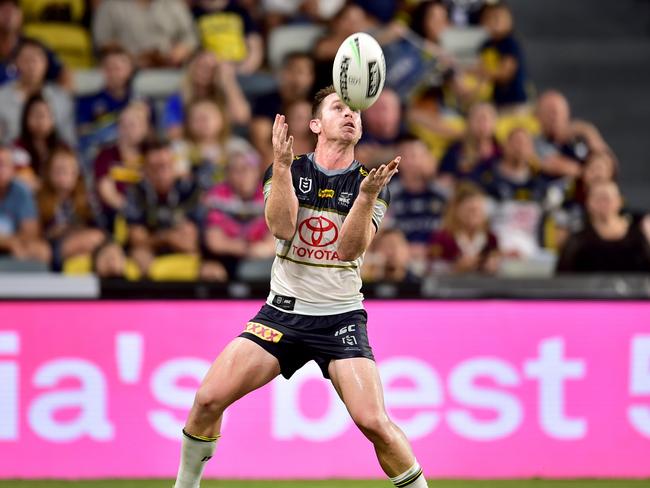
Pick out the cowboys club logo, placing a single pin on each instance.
(318, 232)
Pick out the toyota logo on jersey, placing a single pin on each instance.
(318, 232)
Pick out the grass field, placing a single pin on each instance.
(330, 484)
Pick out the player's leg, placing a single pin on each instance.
(243, 366)
(357, 382)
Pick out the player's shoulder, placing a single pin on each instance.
(301, 164)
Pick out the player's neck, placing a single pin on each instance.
(334, 156)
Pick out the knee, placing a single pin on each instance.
(376, 426)
(210, 402)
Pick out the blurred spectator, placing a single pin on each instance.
(157, 33)
(465, 12)
(19, 231)
(11, 23)
(235, 226)
(66, 216)
(416, 204)
(162, 210)
(599, 167)
(298, 117)
(202, 152)
(350, 19)
(521, 196)
(205, 77)
(428, 116)
(97, 113)
(382, 128)
(502, 59)
(477, 152)
(388, 258)
(38, 138)
(278, 12)
(611, 242)
(227, 30)
(120, 165)
(429, 20)
(295, 82)
(564, 143)
(31, 62)
(465, 244)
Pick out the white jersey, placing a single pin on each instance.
(307, 276)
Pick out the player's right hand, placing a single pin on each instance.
(282, 146)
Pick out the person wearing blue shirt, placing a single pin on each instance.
(502, 59)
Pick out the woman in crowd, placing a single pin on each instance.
(477, 152)
(38, 138)
(464, 244)
(206, 78)
(612, 241)
(65, 214)
(201, 154)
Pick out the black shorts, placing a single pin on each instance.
(296, 339)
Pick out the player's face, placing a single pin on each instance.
(338, 121)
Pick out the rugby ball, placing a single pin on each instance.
(359, 71)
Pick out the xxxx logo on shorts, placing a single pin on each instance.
(264, 332)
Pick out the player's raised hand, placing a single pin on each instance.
(282, 146)
(379, 177)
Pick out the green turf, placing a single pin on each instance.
(330, 484)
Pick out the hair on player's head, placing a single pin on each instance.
(321, 95)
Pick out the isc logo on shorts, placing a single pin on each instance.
(263, 332)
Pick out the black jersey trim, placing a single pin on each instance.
(343, 266)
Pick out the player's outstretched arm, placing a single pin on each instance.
(358, 230)
(281, 209)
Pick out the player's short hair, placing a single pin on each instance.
(321, 95)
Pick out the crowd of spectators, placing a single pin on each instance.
(124, 184)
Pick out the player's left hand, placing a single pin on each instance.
(379, 177)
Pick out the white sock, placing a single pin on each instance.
(413, 478)
(195, 453)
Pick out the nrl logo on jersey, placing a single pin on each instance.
(326, 193)
(305, 184)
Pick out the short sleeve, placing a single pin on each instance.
(380, 207)
(268, 175)
(26, 209)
